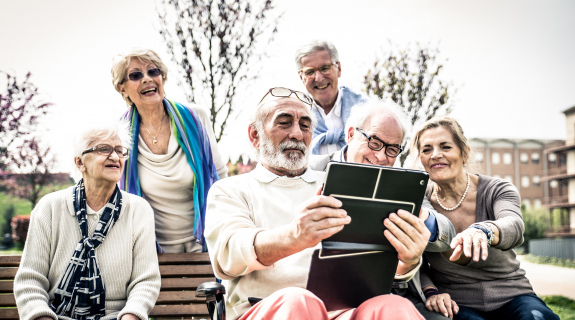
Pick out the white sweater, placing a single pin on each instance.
(238, 208)
(127, 257)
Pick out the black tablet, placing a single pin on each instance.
(347, 280)
(369, 194)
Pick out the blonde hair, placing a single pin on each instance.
(450, 124)
(122, 61)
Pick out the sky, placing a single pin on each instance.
(511, 61)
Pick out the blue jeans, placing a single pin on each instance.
(523, 307)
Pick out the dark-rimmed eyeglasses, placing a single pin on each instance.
(391, 150)
(106, 150)
(138, 75)
(285, 92)
(310, 71)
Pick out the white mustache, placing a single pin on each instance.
(299, 145)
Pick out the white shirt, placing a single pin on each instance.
(333, 121)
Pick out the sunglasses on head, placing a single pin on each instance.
(138, 75)
(285, 92)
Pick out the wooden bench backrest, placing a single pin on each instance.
(181, 275)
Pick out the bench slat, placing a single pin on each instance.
(8, 273)
(6, 286)
(183, 283)
(10, 261)
(9, 314)
(186, 270)
(7, 300)
(180, 310)
(184, 258)
(173, 297)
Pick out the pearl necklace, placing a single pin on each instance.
(155, 141)
(460, 201)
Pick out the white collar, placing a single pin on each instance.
(336, 107)
(264, 175)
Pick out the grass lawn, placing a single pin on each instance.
(563, 307)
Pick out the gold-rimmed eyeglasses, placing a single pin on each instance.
(310, 71)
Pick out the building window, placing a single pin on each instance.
(553, 184)
(524, 158)
(509, 178)
(507, 158)
(526, 203)
(563, 159)
(525, 182)
(495, 158)
(552, 158)
(536, 181)
(535, 158)
(479, 157)
(496, 176)
(564, 183)
(536, 203)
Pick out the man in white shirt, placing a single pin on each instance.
(319, 69)
(262, 227)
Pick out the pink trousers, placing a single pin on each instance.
(297, 303)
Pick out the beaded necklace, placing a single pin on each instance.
(460, 201)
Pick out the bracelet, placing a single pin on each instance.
(486, 229)
(429, 292)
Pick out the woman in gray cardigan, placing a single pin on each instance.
(481, 272)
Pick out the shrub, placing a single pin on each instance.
(536, 223)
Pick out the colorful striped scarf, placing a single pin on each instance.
(193, 139)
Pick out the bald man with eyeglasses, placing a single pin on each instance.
(319, 69)
(262, 227)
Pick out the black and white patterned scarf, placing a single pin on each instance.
(81, 293)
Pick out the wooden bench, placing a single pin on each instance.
(181, 275)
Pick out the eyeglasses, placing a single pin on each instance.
(138, 75)
(391, 150)
(310, 72)
(106, 150)
(285, 92)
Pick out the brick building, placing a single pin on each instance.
(523, 162)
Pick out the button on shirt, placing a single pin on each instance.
(333, 121)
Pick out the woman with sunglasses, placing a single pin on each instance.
(93, 231)
(174, 158)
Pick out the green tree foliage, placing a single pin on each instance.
(216, 45)
(536, 224)
(5, 219)
(411, 78)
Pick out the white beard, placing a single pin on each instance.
(292, 162)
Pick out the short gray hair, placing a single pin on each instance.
(102, 131)
(314, 46)
(360, 114)
(122, 61)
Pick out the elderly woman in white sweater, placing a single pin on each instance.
(90, 252)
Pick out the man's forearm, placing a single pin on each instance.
(274, 245)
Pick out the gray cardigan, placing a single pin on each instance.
(486, 285)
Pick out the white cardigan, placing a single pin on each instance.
(127, 257)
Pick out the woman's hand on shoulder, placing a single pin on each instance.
(442, 303)
(472, 243)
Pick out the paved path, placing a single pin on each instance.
(550, 280)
